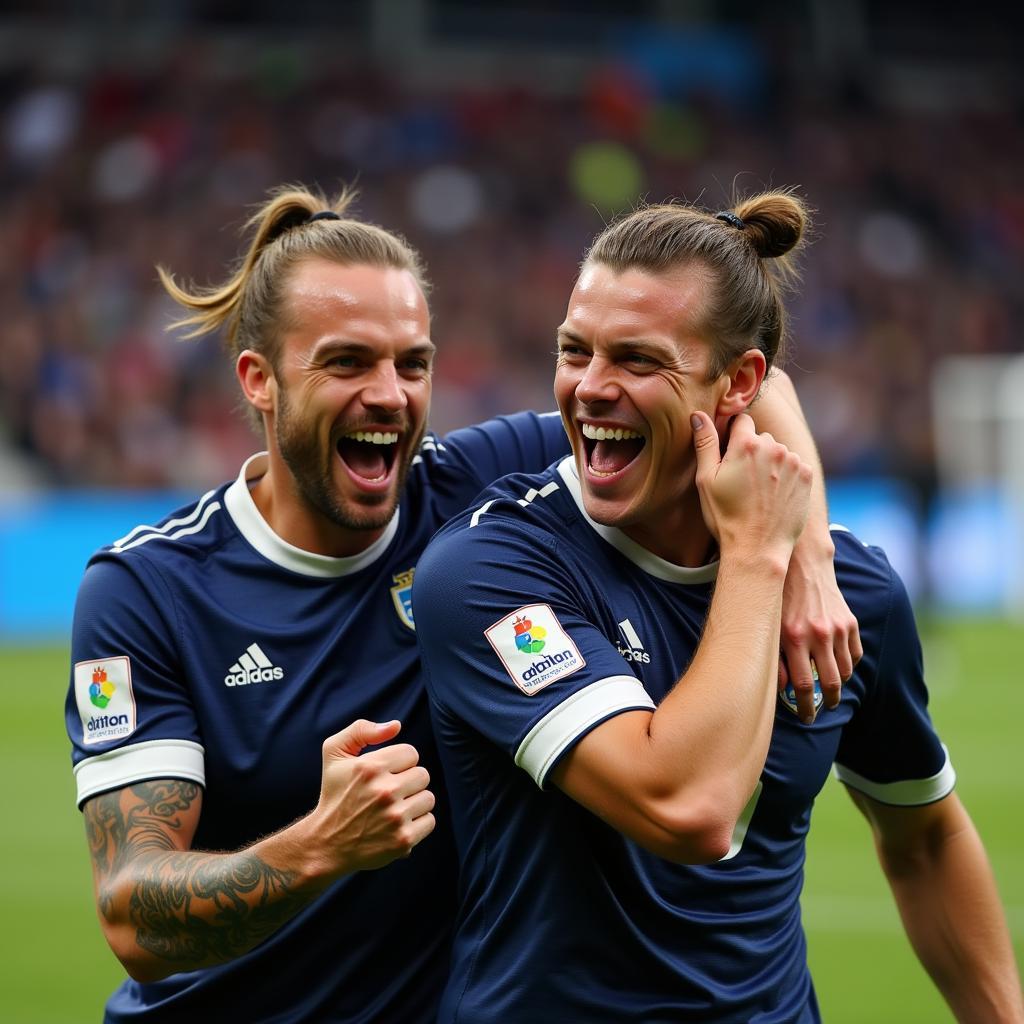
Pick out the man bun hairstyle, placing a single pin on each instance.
(749, 251)
(293, 225)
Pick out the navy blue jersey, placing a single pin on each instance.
(536, 625)
(206, 648)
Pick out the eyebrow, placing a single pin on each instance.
(358, 348)
(636, 344)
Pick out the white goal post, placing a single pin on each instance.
(978, 411)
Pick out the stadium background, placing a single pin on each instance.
(499, 138)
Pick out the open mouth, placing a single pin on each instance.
(610, 449)
(369, 455)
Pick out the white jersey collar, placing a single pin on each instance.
(651, 563)
(255, 529)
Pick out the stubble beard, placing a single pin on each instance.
(311, 469)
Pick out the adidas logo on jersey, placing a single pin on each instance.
(252, 667)
(635, 649)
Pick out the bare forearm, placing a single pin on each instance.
(947, 897)
(952, 914)
(717, 722)
(777, 412)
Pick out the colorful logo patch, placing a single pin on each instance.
(101, 689)
(106, 705)
(529, 638)
(533, 647)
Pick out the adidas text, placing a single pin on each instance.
(632, 655)
(253, 666)
(253, 675)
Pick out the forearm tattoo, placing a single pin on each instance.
(187, 907)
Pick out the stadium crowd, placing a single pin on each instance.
(117, 166)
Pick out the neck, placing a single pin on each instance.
(680, 536)
(295, 521)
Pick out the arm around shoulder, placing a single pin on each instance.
(940, 876)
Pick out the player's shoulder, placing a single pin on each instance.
(520, 517)
(536, 502)
(865, 576)
(189, 530)
(527, 428)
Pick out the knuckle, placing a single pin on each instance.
(384, 799)
(821, 631)
(796, 633)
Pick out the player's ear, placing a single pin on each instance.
(259, 385)
(741, 382)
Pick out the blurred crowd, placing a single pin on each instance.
(111, 169)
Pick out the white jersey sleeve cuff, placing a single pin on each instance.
(152, 759)
(575, 716)
(906, 792)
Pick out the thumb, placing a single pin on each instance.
(351, 741)
(705, 443)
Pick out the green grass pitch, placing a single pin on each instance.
(58, 970)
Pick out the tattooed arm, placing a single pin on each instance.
(166, 908)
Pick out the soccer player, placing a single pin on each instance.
(630, 792)
(241, 668)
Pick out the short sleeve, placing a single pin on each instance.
(889, 750)
(511, 648)
(526, 442)
(128, 711)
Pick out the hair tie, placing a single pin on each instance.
(731, 218)
(323, 215)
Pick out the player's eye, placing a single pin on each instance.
(636, 359)
(416, 365)
(343, 362)
(570, 351)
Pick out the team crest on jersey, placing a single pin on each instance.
(401, 594)
(788, 693)
(533, 647)
(106, 704)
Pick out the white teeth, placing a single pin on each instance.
(375, 437)
(601, 434)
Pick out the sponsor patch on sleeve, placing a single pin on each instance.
(533, 647)
(106, 703)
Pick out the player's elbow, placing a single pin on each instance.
(694, 832)
(123, 938)
(144, 971)
(138, 964)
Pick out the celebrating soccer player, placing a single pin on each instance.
(630, 792)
